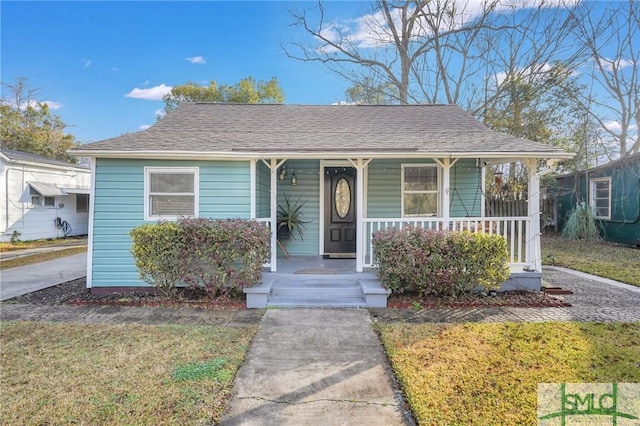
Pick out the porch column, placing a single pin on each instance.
(274, 214)
(446, 164)
(273, 167)
(360, 165)
(252, 180)
(532, 250)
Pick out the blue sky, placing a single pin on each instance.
(85, 57)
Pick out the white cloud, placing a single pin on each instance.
(197, 60)
(619, 64)
(613, 126)
(144, 126)
(372, 30)
(151, 94)
(86, 62)
(53, 104)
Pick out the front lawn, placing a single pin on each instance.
(54, 373)
(607, 260)
(487, 374)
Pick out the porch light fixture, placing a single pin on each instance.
(294, 179)
(283, 174)
(497, 176)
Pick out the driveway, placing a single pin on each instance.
(26, 279)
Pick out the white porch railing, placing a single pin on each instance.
(514, 229)
(266, 221)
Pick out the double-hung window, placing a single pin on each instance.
(600, 200)
(170, 192)
(420, 193)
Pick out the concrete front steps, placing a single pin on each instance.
(336, 291)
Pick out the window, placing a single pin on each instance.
(82, 203)
(49, 201)
(420, 190)
(36, 200)
(600, 190)
(170, 192)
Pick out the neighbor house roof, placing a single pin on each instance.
(14, 156)
(208, 130)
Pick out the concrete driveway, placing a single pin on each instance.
(26, 279)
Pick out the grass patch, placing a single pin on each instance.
(462, 374)
(603, 259)
(40, 257)
(21, 245)
(55, 373)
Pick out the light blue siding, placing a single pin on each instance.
(308, 176)
(119, 207)
(263, 190)
(384, 190)
(466, 189)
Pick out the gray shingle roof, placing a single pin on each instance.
(313, 129)
(20, 156)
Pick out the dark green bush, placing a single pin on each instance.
(443, 263)
(219, 256)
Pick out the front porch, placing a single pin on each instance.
(312, 281)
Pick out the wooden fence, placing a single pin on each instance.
(506, 208)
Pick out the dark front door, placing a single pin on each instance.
(339, 211)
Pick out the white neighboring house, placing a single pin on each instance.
(39, 194)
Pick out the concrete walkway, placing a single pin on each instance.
(315, 367)
(26, 279)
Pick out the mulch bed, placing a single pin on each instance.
(76, 293)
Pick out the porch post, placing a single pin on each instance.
(274, 214)
(252, 180)
(446, 164)
(359, 214)
(359, 164)
(533, 252)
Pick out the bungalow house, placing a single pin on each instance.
(356, 168)
(613, 192)
(41, 197)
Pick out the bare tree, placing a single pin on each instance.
(438, 51)
(611, 34)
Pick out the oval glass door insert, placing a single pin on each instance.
(342, 198)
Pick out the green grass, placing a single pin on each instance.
(21, 245)
(54, 373)
(40, 257)
(603, 259)
(487, 374)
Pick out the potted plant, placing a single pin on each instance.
(290, 218)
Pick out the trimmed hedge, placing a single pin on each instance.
(219, 256)
(444, 263)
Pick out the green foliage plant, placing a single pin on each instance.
(218, 256)
(15, 237)
(290, 217)
(222, 256)
(581, 224)
(156, 250)
(442, 263)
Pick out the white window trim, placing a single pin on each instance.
(403, 192)
(148, 170)
(592, 196)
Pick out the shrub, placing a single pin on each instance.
(443, 263)
(222, 256)
(219, 256)
(581, 224)
(156, 250)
